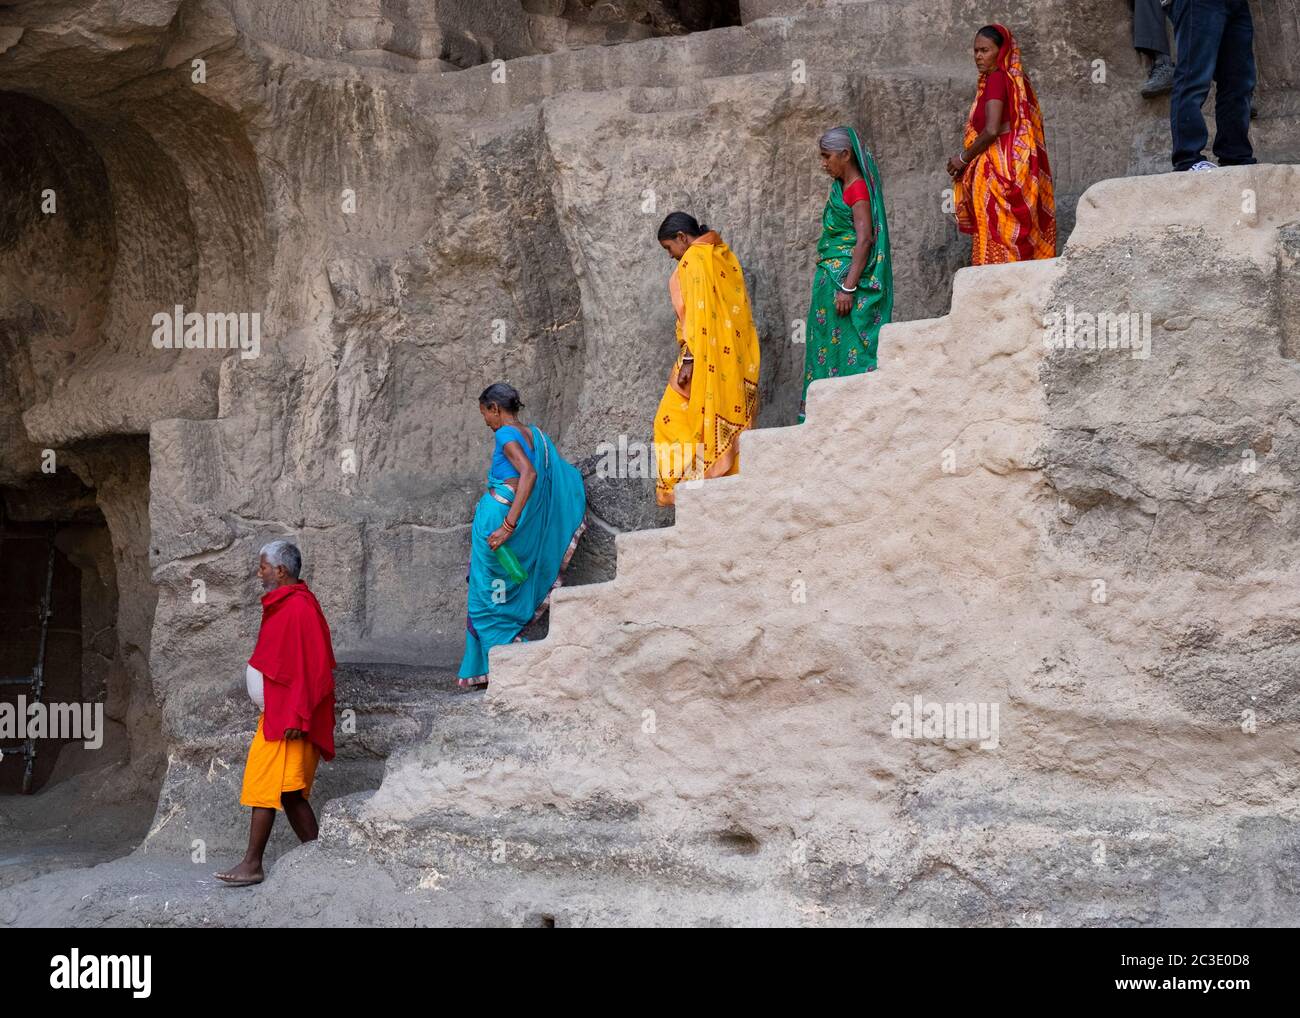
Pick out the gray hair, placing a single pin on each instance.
(283, 553)
(837, 139)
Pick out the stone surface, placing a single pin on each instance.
(1040, 530)
(421, 199)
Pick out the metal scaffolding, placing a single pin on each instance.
(35, 679)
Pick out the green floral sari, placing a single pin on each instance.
(847, 345)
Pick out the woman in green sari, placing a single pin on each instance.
(853, 287)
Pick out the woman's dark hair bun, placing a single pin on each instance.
(499, 394)
(680, 222)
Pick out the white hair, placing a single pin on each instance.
(837, 139)
(283, 553)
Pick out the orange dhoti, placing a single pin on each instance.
(273, 768)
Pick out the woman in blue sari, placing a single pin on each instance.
(535, 505)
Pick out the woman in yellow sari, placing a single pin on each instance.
(712, 392)
(1002, 180)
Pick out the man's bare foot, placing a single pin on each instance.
(243, 875)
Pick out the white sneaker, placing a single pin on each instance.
(1202, 166)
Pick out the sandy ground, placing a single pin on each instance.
(316, 886)
(305, 888)
(66, 828)
(86, 871)
(71, 855)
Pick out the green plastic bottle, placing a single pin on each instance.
(511, 564)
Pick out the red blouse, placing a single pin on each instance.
(995, 87)
(856, 192)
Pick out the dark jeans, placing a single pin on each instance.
(1214, 40)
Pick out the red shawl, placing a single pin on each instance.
(296, 657)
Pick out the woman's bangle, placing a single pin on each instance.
(962, 156)
(845, 289)
(508, 525)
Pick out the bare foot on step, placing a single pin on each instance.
(243, 875)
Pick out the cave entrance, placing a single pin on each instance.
(40, 647)
(58, 638)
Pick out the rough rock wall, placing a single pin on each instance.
(984, 521)
(409, 236)
(417, 36)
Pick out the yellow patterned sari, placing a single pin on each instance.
(696, 432)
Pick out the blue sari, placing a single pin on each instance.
(544, 539)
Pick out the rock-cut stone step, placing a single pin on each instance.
(382, 707)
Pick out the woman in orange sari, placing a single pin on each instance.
(1002, 179)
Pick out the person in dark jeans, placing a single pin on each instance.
(1215, 43)
(1151, 39)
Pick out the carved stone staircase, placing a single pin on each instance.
(1101, 546)
(984, 520)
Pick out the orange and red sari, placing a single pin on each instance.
(1005, 199)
